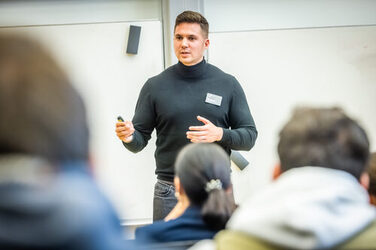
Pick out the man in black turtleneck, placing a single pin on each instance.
(191, 101)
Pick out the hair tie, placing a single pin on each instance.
(213, 184)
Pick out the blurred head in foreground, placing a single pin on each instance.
(318, 199)
(324, 137)
(41, 114)
(48, 199)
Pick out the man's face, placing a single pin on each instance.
(189, 43)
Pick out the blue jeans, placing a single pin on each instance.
(164, 199)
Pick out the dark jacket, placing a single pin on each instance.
(189, 226)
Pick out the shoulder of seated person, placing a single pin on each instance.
(365, 239)
(229, 239)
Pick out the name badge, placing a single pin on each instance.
(213, 99)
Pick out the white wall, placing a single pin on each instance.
(42, 12)
(283, 68)
(245, 15)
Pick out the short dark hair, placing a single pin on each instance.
(193, 17)
(324, 137)
(371, 168)
(198, 164)
(41, 114)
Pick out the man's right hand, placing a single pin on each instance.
(124, 131)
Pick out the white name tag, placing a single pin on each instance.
(213, 99)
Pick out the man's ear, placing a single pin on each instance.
(207, 43)
(276, 171)
(364, 180)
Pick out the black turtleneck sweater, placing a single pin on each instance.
(171, 101)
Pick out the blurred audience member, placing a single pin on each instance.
(319, 199)
(204, 192)
(48, 197)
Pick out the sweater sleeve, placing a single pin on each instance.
(143, 120)
(242, 133)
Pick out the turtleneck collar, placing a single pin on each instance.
(194, 71)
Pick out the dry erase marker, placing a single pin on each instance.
(120, 119)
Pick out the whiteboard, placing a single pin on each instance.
(279, 69)
(94, 57)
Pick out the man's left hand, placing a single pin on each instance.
(206, 133)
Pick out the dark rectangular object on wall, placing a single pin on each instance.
(133, 39)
